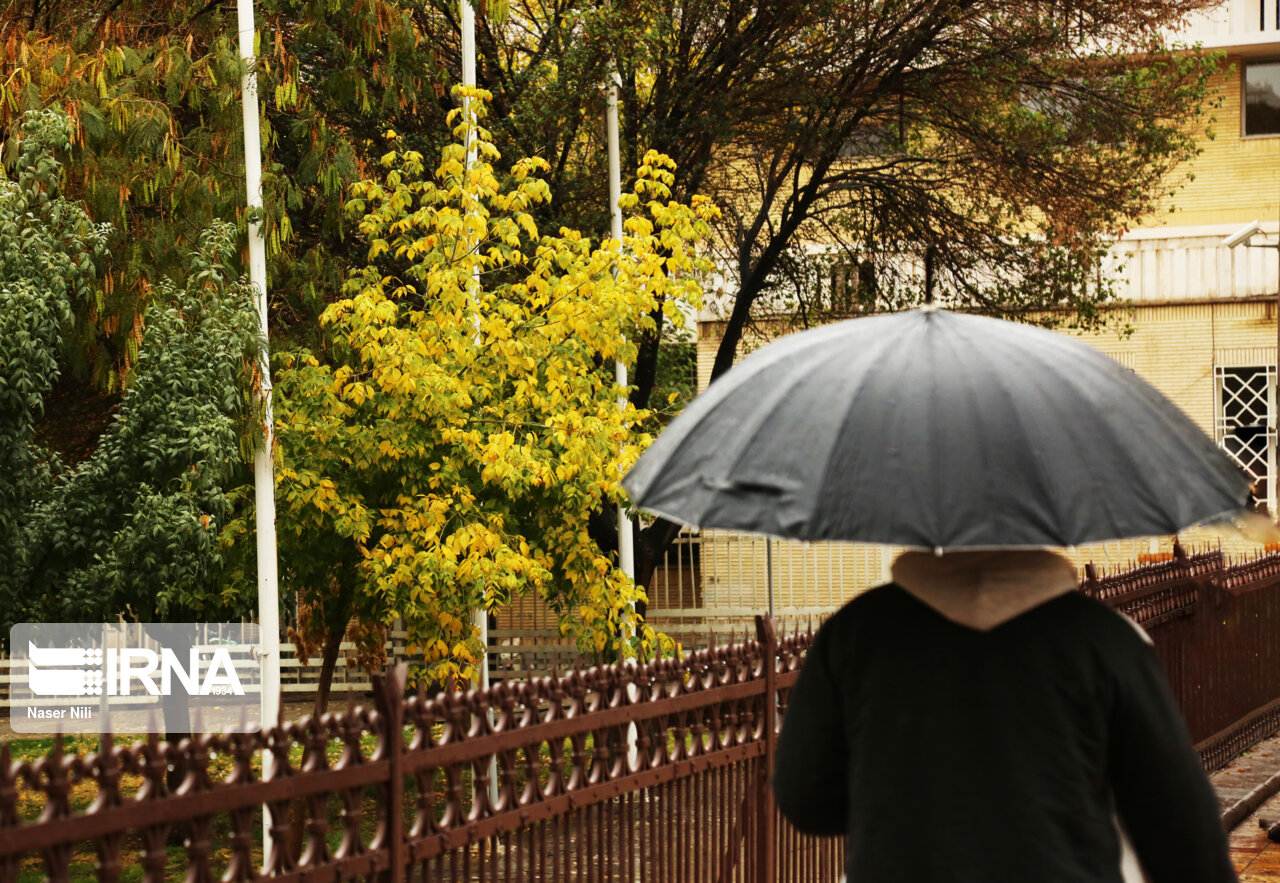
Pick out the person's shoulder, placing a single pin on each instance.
(874, 598)
(1110, 627)
(845, 631)
(869, 605)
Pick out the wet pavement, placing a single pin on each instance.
(1256, 858)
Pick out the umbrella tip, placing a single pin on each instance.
(937, 551)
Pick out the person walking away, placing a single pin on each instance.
(979, 720)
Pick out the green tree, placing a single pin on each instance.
(153, 90)
(49, 249)
(450, 449)
(134, 527)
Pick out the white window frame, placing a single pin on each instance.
(1226, 423)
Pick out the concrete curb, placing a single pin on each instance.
(1247, 805)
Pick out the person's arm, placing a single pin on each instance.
(1162, 793)
(810, 781)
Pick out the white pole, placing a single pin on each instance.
(263, 474)
(480, 616)
(469, 71)
(626, 548)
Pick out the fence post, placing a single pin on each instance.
(766, 827)
(1091, 587)
(390, 698)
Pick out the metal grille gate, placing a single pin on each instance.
(1245, 424)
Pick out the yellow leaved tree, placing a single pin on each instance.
(447, 451)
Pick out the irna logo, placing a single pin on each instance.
(119, 677)
(124, 671)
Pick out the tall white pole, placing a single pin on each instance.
(480, 616)
(626, 548)
(469, 71)
(263, 473)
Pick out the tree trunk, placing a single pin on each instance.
(645, 374)
(651, 545)
(328, 663)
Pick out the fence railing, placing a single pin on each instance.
(1216, 627)
(655, 772)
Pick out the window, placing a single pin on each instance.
(1245, 403)
(1262, 98)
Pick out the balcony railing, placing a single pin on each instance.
(1168, 265)
(1234, 23)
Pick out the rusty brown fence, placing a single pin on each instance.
(1216, 627)
(637, 773)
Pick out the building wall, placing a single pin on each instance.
(1236, 179)
(1176, 346)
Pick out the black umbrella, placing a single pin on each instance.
(939, 430)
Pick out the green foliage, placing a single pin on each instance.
(677, 375)
(134, 526)
(450, 453)
(154, 94)
(48, 250)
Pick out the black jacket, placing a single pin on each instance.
(944, 753)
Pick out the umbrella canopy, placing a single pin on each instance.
(936, 430)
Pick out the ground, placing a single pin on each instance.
(1256, 858)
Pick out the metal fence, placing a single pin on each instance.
(1216, 627)
(653, 772)
(649, 773)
